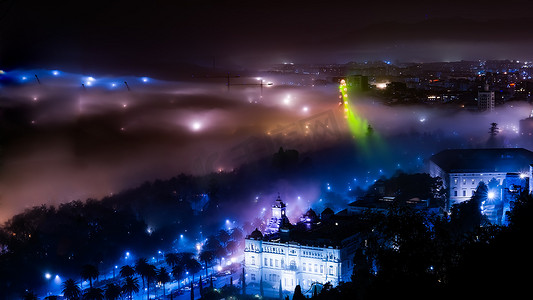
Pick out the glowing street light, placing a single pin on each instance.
(491, 195)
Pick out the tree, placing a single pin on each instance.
(93, 294)
(201, 286)
(150, 274)
(261, 289)
(141, 268)
(172, 259)
(207, 257)
(192, 291)
(163, 278)
(243, 282)
(177, 272)
(192, 266)
(127, 271)
(280, 290)
(494, 130)
(112, 291)
(71, 290)
(89, 272)
(223, 236)
(29, 295)
(131, 285)
(298, 295)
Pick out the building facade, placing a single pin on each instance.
(303, 254)
(463, 169)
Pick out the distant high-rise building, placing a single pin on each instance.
(525, 126)
(485, 99)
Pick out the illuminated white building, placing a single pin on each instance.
(314, 251)
(463, 169)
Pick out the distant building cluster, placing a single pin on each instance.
(470, 85)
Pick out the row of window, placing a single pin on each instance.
(472, 181)
(305, 266)
(472, 192)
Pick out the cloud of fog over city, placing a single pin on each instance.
(62, 141)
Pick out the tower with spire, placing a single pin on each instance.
(278, 216)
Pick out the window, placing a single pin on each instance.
(321, 268)
(330, 270)
(455, 193)
(271, 264)
(464, 193)
(252, 276)
(253, 260)
(316, 269)
(303, 267)
(464, 181)
(277, 263)
(266, 262)
(473, 181)
(282, 263)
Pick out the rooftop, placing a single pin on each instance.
(503, 160)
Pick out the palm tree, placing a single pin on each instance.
(127, 271)
(193, 266)
(71, 290)
(89, 272)
(112, 291)
(207, 256)
(163, 278)
(141, 268)
(172, 259)
(93, 294)
(177, 272)
(150, 274)
(131, 285)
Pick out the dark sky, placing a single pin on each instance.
(130, 36)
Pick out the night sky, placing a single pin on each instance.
(168, 36)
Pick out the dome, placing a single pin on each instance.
(256, 235)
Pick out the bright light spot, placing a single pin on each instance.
(381, 85)
(196, 126)
(24, 77)
(305, 108)
(47, 276)
(198, 247)
(522, 175)
(181, 236)
(144, 79)
(34, 98)
(55, 72)
(90, 78)
(491, 195)
(127, 254)
(422, 120)
(113, 84)
(219, 268)
(124, 105)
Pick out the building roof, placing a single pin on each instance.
(483, 160)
